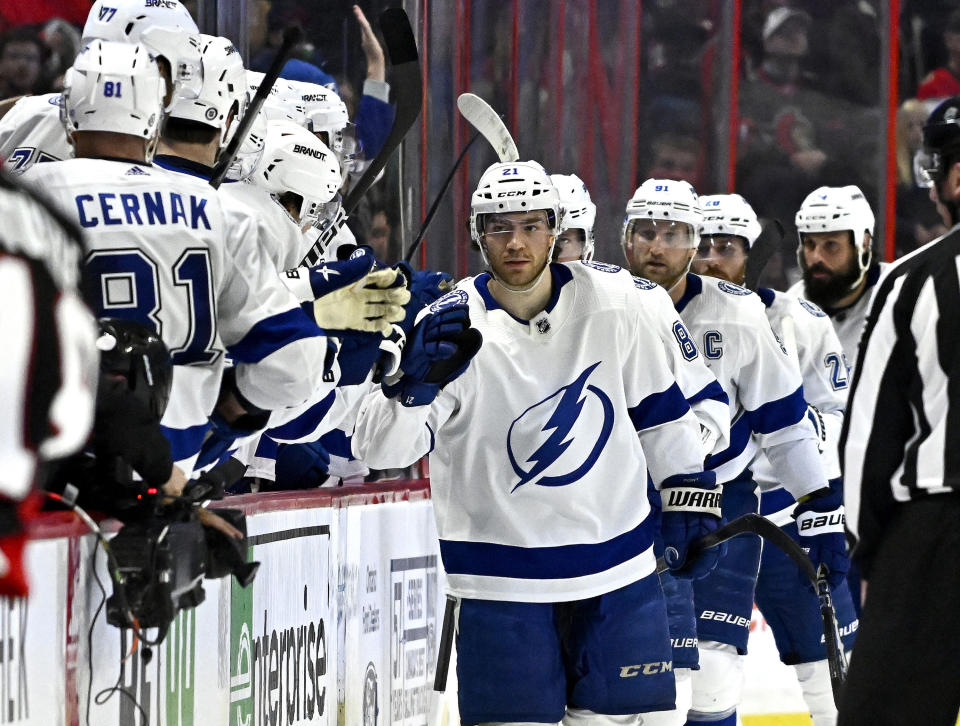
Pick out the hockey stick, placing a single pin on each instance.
(446, 646)
(761, 251)
(291, 36)
(406, 79)
(771, 533)
(436, 202)
(488, 122)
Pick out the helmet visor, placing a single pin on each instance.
(182, 52)
(642, 232)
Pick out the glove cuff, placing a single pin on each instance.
(696, 500)
(811, 523)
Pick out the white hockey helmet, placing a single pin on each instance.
(294, 160)
(729, 214)
(250, 151)
(838, 209)
(664, 199)
(513, 186)
(166, 28)
(579, 211)
(114, 87)
(224, 88)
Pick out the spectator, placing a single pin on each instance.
(945, 81)
(676, 156)
(22, 55)
(63, 43)
(380, 237)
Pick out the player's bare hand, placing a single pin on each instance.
(175, 484)
(376, 64)
(215, 521)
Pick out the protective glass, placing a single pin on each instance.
(643, 232)
(926, 167)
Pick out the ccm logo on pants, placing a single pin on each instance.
(646, 669)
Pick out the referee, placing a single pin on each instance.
(901, 461)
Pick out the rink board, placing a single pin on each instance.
(341, 626)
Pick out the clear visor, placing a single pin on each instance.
(721, 245)
(926, 167)
(320, 214)
(665, 232)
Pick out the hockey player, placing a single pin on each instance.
(727, 323)
(31, 131)
(540, 451)
(835, 253)
(165, 252)
(575, 241)
(730, 228)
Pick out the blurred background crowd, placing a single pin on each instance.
(769, 98)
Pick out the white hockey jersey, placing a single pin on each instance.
(167, 251)
(540, 451)
(807, 333)
(767, 408)
(31, 132)
(848, 322)
(278, 233)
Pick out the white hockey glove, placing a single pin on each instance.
(369, 305)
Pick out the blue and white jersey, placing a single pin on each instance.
(848, 322)
(540, 451)
(807, 333)
(168, 251)
(767, 408)
(31, 132)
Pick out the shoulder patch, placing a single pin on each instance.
(642, 283)
(55, 100)
(454, 297)
(602, 266)
(730, 288)
(811, 308)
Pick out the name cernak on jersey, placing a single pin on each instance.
(142, 208)
(563, 432)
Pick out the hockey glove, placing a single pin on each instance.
(222, 434)
(691, 509)
(437, 352)
(820, 524)
(371, 304)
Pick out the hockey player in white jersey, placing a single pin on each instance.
(730, 228)
(31, 131)
(576, 240)
(768, 412)
(835, 253)
(167, 253)
(540, 451)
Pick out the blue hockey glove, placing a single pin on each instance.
(820, 524)
(329, 276)
(437, 352)
(691, 509)
(222, 435)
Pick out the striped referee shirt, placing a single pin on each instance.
(901, 434)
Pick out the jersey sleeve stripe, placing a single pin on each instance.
(739, 438)
(775, 415)
(487, 559)
(712, 391)
(659, 408)
(304, 424)
(271, 334)
(185, 443)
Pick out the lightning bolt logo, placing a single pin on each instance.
(564, 416)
